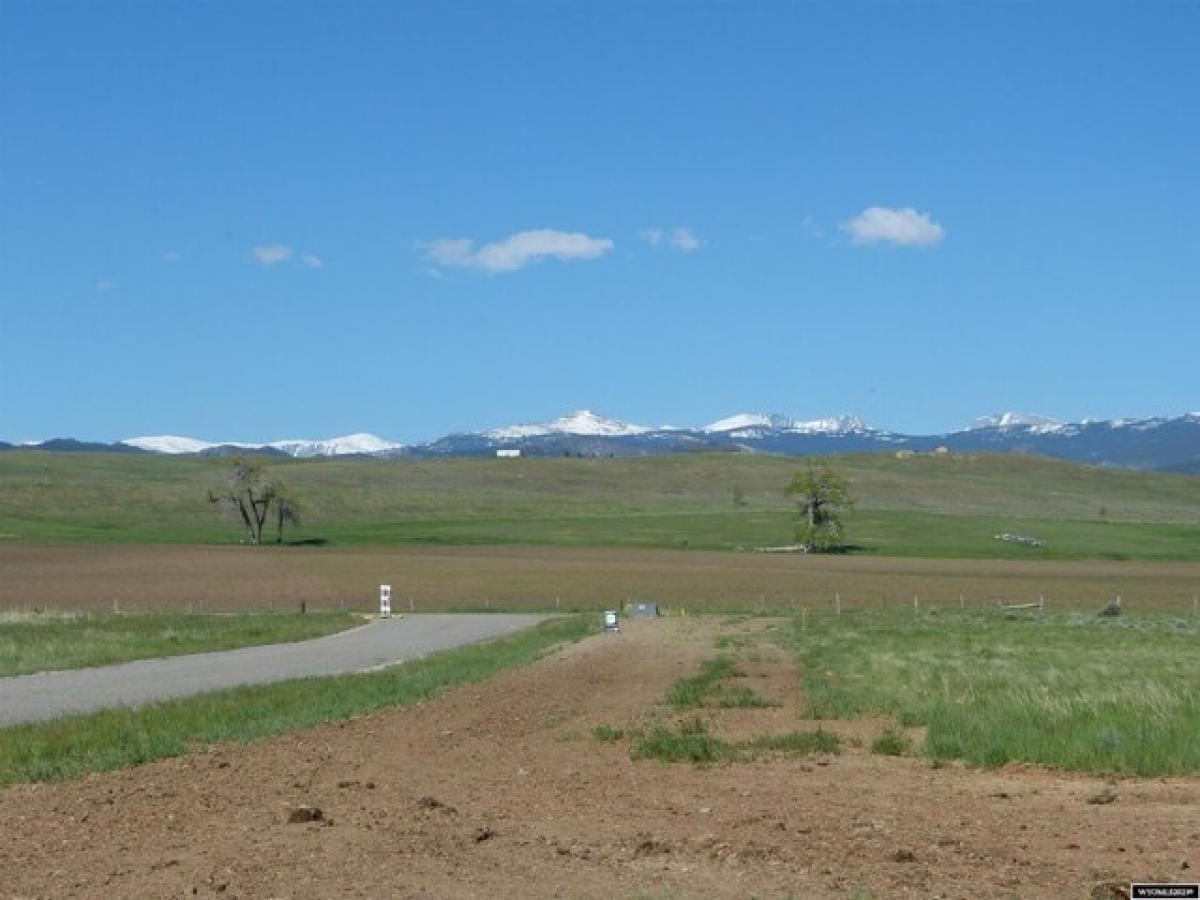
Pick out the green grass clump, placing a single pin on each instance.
(1065, 691)
(796, 743)
(708, 688)
(690, 742)
(892, 743)
(117, 738)
(607, 733)
(43, 642)
(691, 693)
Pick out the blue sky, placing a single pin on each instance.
(263, 220)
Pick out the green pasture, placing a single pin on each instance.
(1070, 691)
(918, 506)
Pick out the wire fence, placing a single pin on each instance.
(809, 604)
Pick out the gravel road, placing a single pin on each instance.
(48, 695)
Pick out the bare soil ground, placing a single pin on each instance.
(227, 578)
(499, 790)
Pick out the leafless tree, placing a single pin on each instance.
(247, 493)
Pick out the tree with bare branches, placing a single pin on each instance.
(248, 494)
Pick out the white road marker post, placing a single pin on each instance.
(385, 601)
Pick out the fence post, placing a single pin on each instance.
(837, 602)
(962, 602)
(916, 603)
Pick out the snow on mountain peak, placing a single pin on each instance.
(340, 446)
(167, 443)
(1032, 421)
(777, 422)
(835, 425)
(351, 443)
(748, 420)
(581, 422)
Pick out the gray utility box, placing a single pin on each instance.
(643, 610)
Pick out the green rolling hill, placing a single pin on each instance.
(923, 505)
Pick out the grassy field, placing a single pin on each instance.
(124, 737)
(41, 643)
(946, 507)
(1068, 691)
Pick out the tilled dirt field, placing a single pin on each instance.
(230, 578)
(500, 790)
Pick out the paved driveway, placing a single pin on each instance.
(48, 695)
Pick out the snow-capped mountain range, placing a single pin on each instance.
(582, 421)
(1017, 420)
(1166, 443)
(350, 445)
(745, 423)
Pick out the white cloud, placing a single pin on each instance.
(450, 251)
(679, 238)
(683, 239)
(313, 261)
(516, 251)
(271, 254)
(812, 227)
(104, 285)
(905, 227)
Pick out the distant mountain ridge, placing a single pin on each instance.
(351, 444)
(1159, 443)
(1016, 420)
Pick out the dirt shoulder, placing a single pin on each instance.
(499, 789)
